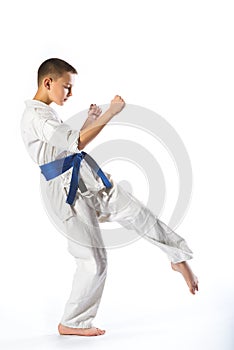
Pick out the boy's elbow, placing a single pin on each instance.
(80, 145)
(82, 142)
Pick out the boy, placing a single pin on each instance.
(95, 197)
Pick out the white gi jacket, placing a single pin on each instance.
(47, 138)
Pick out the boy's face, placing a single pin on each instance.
(61, 88)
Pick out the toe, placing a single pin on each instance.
(99, 331)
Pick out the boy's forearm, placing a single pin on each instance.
(94, 113)
(91, 129)
(88, 122)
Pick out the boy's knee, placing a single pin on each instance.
(94, 267)
(94, 259)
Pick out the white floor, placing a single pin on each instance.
(145, 305)
(204, 329)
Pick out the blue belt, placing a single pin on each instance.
(59, 166)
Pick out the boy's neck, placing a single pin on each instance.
(41, 96)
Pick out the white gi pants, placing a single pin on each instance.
(114, 204)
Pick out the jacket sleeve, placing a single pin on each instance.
(53, 131)
(60, 135)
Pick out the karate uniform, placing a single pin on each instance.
(47, 138)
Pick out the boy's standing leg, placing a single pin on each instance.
(91, 269)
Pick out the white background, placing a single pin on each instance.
(176, 58)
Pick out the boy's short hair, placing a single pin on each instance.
(54, 67)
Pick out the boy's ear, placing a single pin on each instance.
(47, 83)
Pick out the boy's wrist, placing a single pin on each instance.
(111, 113)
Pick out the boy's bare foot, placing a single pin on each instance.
(191, 280)
(88, 332)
